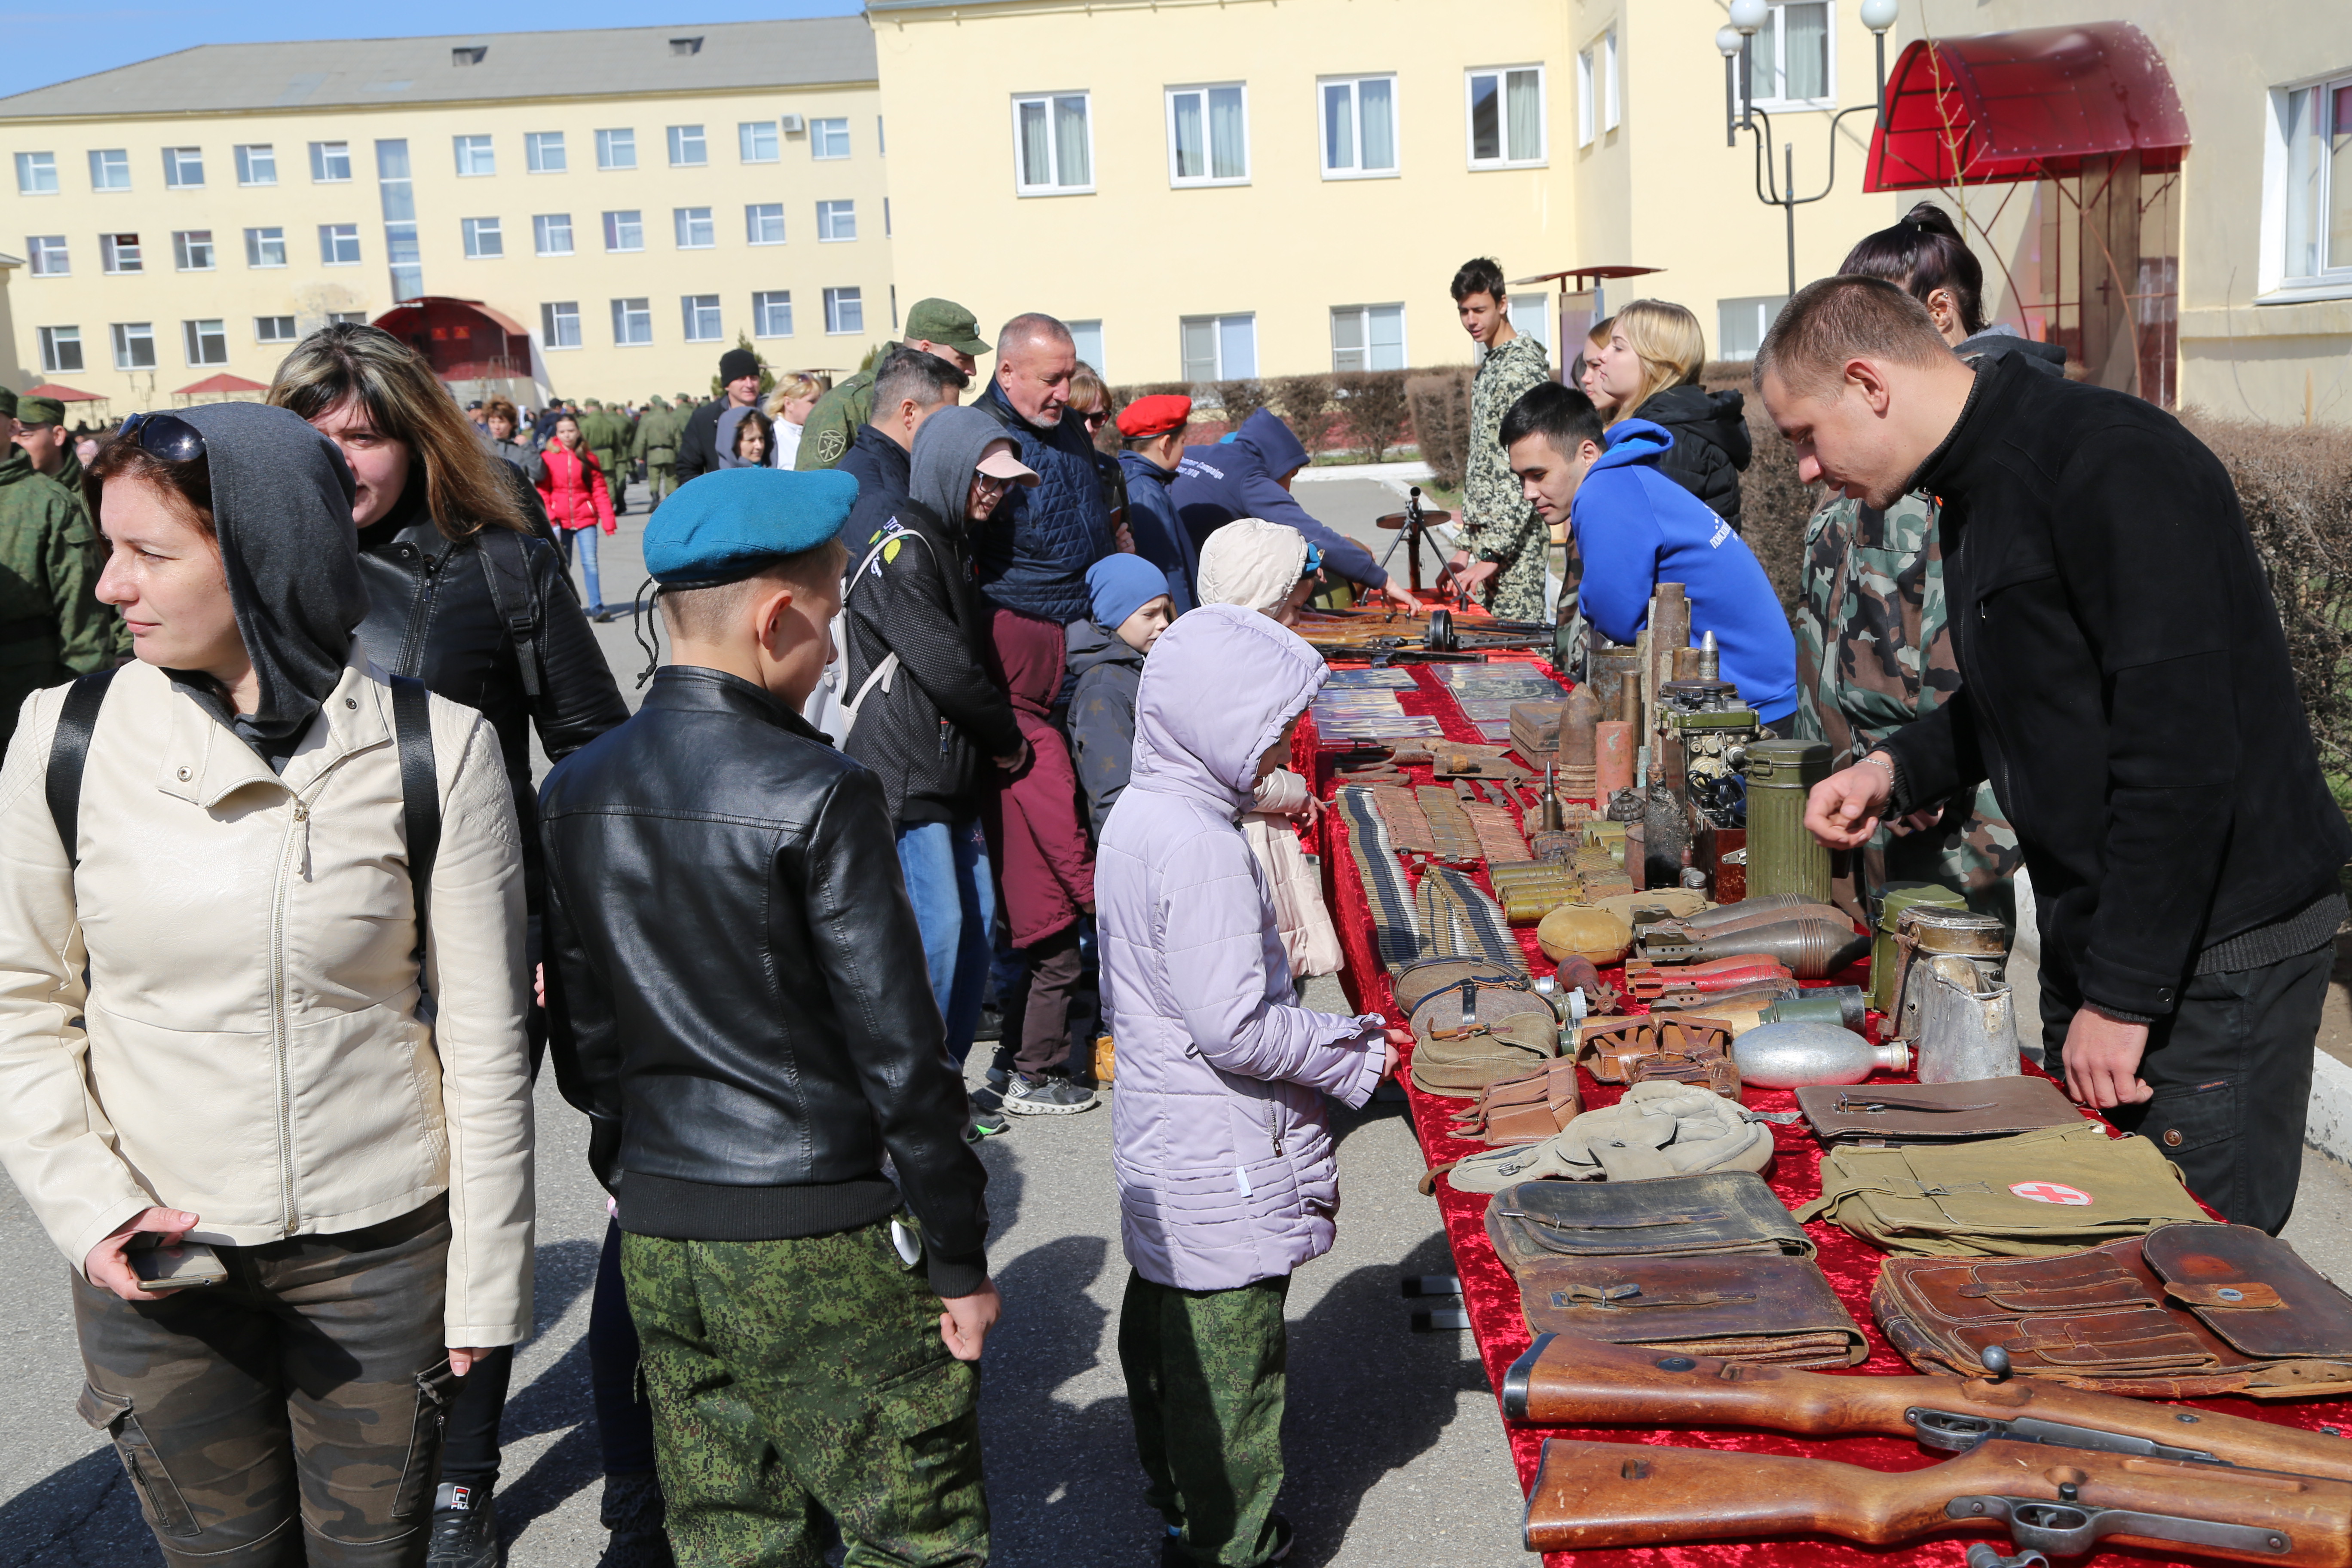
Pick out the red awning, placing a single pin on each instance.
(2023, 106)
(61, 394)
(217, 384)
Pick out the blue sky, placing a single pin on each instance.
(45, 46)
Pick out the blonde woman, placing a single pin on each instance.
(1650, 370)
(788, 408)
(1587, 369)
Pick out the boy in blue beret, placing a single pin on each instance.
(737, 998)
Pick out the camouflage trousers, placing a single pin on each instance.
(805, 1374)
(309, 1385)
(661, 478)
(1206, 1384)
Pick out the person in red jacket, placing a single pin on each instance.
(572, 482)
(1045, 868)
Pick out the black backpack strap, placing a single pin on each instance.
(420, 789)
(68, 752)
(507, 566)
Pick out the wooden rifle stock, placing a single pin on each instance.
(2062, 1503)
(1565, 1381)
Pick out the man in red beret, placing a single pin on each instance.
(1151, 443)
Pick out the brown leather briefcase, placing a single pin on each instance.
(1714, 1211)
(1767, 1310)
(1873, 1113)
(2184, 1311)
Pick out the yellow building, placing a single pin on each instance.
(590, 213)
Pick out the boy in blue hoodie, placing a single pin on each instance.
(1637, 528)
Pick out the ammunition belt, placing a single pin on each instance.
(1499, 833)
(1457, 920)
(1395, 929)
(1407, 829)
(1450, 828)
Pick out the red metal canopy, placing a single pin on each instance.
(464, 339)
(56, 394)
(2025, 105)
(222, 384)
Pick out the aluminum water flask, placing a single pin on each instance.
(1783, 857)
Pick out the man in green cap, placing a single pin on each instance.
(52, 627)
(655, 445)
(606, 433)
(939, 327)
(41, 430)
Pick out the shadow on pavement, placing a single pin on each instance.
(83, 1514)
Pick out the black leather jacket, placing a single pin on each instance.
(735, 985)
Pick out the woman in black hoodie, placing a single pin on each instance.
(1650, 366)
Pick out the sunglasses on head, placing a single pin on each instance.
(164, 435)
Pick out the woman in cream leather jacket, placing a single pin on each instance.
(259, 1062)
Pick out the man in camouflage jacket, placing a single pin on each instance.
(1873, 653)
(52, 627)
(1500, 525)
(659, 430)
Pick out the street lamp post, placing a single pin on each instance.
(1738, 42)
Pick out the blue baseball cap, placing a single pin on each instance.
(724, 525)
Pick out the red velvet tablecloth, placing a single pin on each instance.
(1492, 1300)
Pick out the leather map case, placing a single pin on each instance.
(1767, 1310)
(1712, 1211)
(1934, 1112)
(2182, 1312)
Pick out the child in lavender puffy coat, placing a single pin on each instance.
(1224, 1163)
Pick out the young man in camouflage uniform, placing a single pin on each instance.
(655, 445)
(939, 327)
(606, 432)
(1506, 543)
(52, 627)
(1873, 653)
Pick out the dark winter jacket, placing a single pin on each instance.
(697, 449)
(1710, 450)
(2124, 683)
(1102, 714)
(1161, 536)
(1044, 865)
(1032, 555)
(2000, 339)
(1240, 478)
(927, 736)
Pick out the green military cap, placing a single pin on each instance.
(592, 402)
(7, 404)
(945, 321)
(40, 411)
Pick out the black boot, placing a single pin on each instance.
(634, 1511)
(465, 1529)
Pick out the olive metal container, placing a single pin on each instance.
(1886, 969)
(1783, 857)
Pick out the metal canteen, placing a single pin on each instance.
(1794, 1056)
(1812, 950)
(1839, 1005)
(1968, 1024)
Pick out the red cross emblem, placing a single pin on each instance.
(2050, 1192)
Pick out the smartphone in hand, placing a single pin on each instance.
(179, 1267)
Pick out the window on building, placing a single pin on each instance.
(844, 310)
(1368, 337)
(257, 163)
(36, 173)
(2317, 123)
(687, 147)
(886, 220)
(700, 312)
(1086, 336)
(829, 138)
(1052, 143)
(474, 156)
(759, 142)
(1611, 116)
(694, 229)
(47, 253)
(184, 168)
(543, 152)
(763, 222)
(484, 240)
(633, 322)
(397, 195)
(1795, 56)
(558, 324)
(550, 234)
(1219, 348)
(1208, 136)
(616, 149)
(110, 168)
(119, 253)
(625, 231)
(1506, 118)
(330, 163)
(837, 220)
(772, 313)
(192, 249)
(881, 149)
(206, 342)
(265, 247)
(338, 245)
(1588, 86)
(1530, 316)
(1358, 126)
(60, 349)
(134, 345)
(273, 329)
(1740, 324)
(347, 318)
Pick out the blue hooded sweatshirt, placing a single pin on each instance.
(1240, 477)
(1637, 528)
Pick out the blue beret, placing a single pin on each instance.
(729, 523)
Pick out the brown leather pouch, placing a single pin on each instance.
(1768, 1309)
(1715, 1211)
(1528, 1108)
(2184, 1311)
(1934, 1112)
(1720, 1074)
(1511, 1032)
(1609, 1049)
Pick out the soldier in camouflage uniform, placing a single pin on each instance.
(606, 432)
(1874, 653)
(52, 627)
(941, 326)
(659, 430)
(1498, 523)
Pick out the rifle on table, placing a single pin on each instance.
(1565, 1381)
(1623, 1494)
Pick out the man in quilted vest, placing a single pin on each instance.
(1032, 555)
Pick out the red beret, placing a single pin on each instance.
(1154, 416)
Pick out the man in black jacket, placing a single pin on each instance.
(736, 997)
(739, 383)
(2124, 685)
